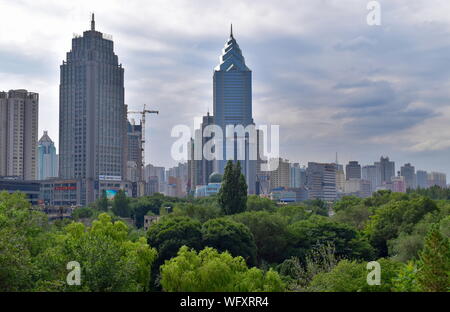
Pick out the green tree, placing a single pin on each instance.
(142, 205)
(103, 202)
(23, 235)
(257, 203)
(270, 233)
(355, 215)
(227, 235)
(200, 212)
(317, 230)
(232, 195)
(109, 261)
(434, 273)
(211, 271)
(351, 276)
(395, 217)
(121, 205)
(169, 234)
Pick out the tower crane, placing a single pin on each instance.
(143, 113)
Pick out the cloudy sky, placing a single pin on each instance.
(332, 83)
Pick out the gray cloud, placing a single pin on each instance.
(332, 82)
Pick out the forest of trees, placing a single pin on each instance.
(231, 242)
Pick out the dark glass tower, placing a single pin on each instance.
(232, 103)
(93, 124)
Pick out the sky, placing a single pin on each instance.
(333, 83)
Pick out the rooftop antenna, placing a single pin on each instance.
(231, 31)
(93, 22)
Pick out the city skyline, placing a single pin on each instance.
(399, 112)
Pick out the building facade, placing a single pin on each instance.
(47, 158)
(281, 176)
(93, 116)
(409, 173)
(232, 105)
(19, 134)
(437, 179)
(321, 181)
(422, 179)
(134, 152)
(387, 170)
(353, 170)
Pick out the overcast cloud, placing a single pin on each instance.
(332, 83)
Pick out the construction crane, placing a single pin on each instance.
(143, 113)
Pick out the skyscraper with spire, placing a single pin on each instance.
(93, 123)
(232, 103)
(47, 158)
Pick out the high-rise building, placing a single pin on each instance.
(297, 176)
(340, 178)
(199, 168)
(353, 170)
(280, 177)
(437, 179)
(47, 158)
(409, 173)
(232, 104)
(93, 116)
(372, 174)
(153, 173)
(387, 169)
(422, 179)
(321, 181)
(19, 134)
(134, 152)
(358, 187)
(398, 184)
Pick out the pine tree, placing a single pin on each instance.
(103, 202)
(120, 205)
(233, 192)
(435, 262)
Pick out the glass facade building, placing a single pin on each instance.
(232, 104)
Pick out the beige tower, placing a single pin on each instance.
(19, 134)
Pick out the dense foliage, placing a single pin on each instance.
(238, 243)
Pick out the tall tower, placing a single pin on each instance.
(92, 123)
(232, 103)
(47, 159)
(18, 133)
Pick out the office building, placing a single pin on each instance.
(387, 170)
(437, 179)
(199, 168)
(31, 189)
(372, 174)
(19, 134)
(422, 179)
(232, 104)
(297, 176)
(409, 173)
(280, 177)
(47, 158)
(340, 178)
(321, 181)
(353, 170)
(92, 116)
(134, 152)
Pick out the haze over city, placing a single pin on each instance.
(357, 90)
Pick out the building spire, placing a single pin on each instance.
(92, 22)
(231, 31)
